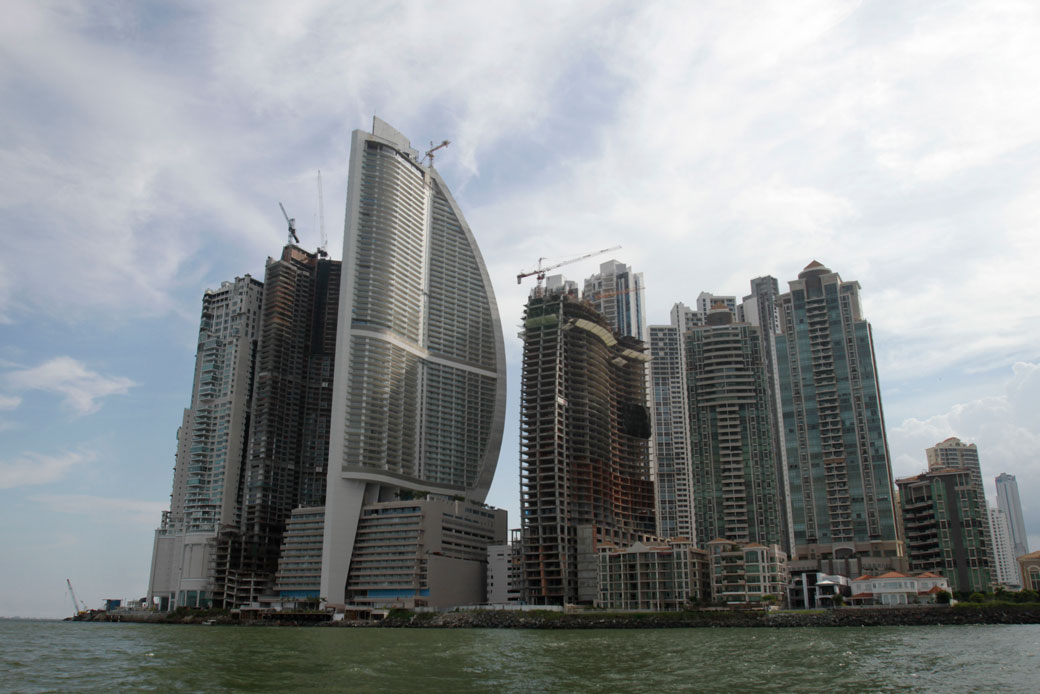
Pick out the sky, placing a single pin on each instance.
(145, 146)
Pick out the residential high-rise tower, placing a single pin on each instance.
(955, 454)
(736, 491)
(617, 293)
(1005, 568)
(840, 473)
(945, 520)
(211, 448)
(1011, 505)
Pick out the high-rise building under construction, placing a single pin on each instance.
(289, 428)
(585, 473)
(418, 401)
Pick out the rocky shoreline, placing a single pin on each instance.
(500, 619)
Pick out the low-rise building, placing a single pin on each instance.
(657, 576)
(299, 564)
(503, 574)
(1029, 568)
(429, 552)
(813, 589)
(746, 573)
(894, 588)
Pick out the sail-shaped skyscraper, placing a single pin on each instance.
(419, 394)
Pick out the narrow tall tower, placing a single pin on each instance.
(419, 397)
(211, 448)
(1005, 568)
(618, 294)
(289, 431)
(1009, 503)
(837, 452)
(761, 309)
(673, 491)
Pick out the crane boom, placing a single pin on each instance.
(292, 225)
(540, 272)
(429, 153)
(77, 604)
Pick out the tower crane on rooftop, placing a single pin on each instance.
(292, 225)
(540, 272)
(429, 152)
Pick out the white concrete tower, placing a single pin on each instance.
(419, 393)
(1009, 503)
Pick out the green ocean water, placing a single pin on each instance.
(85, 657)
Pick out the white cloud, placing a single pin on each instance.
(134, 510)
(9, 402)
(80, 387)
(37, 468)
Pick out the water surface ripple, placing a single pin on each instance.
(37, 657)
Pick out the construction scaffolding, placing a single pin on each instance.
(585, 474)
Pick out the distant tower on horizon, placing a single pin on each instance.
(1004, 566)
(619, 294)
(955, 454)
(945, 521)
(419, 395)
(211, 449)
(1009, 503)
(840, 473)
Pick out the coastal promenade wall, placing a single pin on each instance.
(477, 619)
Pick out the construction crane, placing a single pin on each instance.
(429, 152)
(540, 272)
(77, 605)
(322, 253)
(292, 225)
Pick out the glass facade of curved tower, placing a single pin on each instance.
(419, 392)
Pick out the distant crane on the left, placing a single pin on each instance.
(78, 605)
(292, 225)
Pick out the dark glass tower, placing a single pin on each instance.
(837, 454)
(289, 432)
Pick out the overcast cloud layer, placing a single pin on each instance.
(145, 146)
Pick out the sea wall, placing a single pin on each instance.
(498, 619)
(846, 617)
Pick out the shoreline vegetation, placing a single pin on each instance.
(962, 613)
